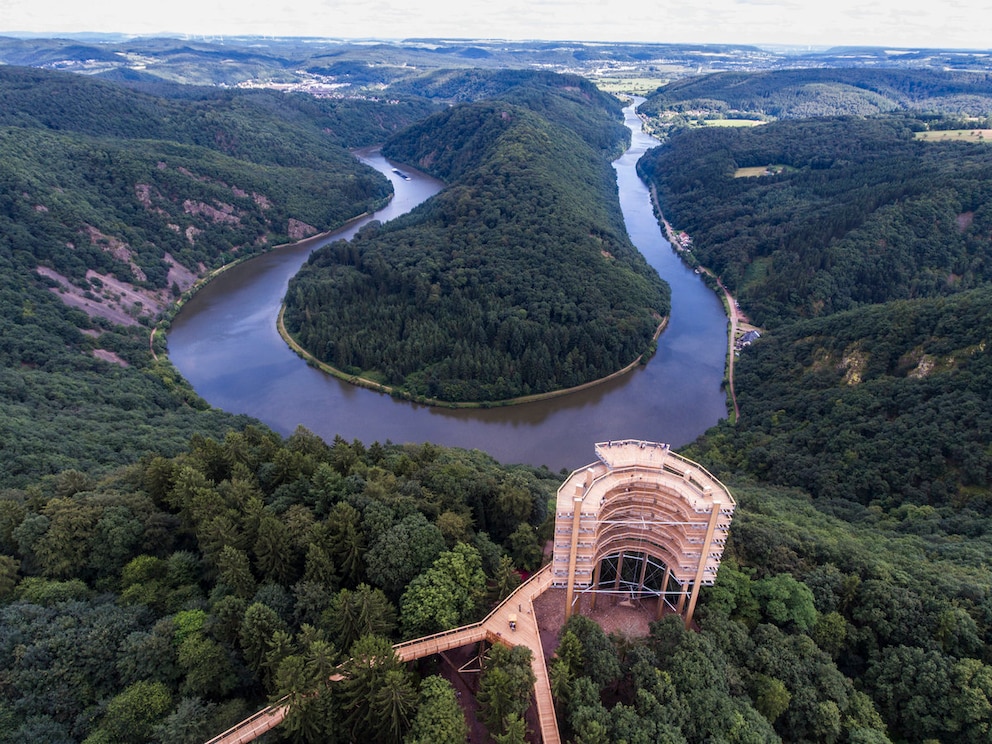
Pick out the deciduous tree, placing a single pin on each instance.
(448, 594)
(439, 718)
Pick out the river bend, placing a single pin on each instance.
(225, 343)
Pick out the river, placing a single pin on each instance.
(224, 342)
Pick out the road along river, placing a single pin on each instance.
(225, 343)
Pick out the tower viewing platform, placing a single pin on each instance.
(642, 521)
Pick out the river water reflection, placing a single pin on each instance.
(225, 343)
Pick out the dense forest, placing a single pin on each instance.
(857, 212)
(167, 600)
(880, 410)
(879, 421)
(166, 569)
(565, 100)
(197, 173)
(518, 278)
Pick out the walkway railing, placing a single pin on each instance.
(435, 644)
(256, 725)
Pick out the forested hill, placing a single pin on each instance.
(804, 93)
(261, 126)
(850, 212)
(866, 255)
(234, 167)
(519, 278)
(113, 201)
(882, 418)
(887, 407)
(567, 100)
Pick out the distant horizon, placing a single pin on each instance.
(209, 37)
(886, 24)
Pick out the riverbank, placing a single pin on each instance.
(734, 315)
(165, 321)
(397, 393)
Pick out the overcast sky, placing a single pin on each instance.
(890, 23)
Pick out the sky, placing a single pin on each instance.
(955, 24)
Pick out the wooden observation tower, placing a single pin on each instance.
(642, 521)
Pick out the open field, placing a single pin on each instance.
(733, 122)
(956, 135)
(638, 86)
(758, 170)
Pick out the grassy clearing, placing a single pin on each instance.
(733, 122)
(956, 135)
(757, 271)
(758, 170)
(638, 86)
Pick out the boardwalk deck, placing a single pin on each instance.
(495, 628)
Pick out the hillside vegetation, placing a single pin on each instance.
(859, 213)
(879, 418)
(865, 256)
(519, 278)
(113, 203)
(886, 408)
(564, 100)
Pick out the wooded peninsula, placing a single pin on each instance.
(517, 279)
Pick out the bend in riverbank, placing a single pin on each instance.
(397, 393)
(165, 320)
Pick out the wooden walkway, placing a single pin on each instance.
(494, 628)
(254, 726)
(497, 625)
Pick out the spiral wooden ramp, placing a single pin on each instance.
(494, 628)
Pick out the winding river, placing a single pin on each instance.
(225, 343)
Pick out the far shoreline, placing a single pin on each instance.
(728, 301)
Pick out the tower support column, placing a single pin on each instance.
(595, 583)
(572, 553)
(644, 572)
(703, 556)
(664, 593)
